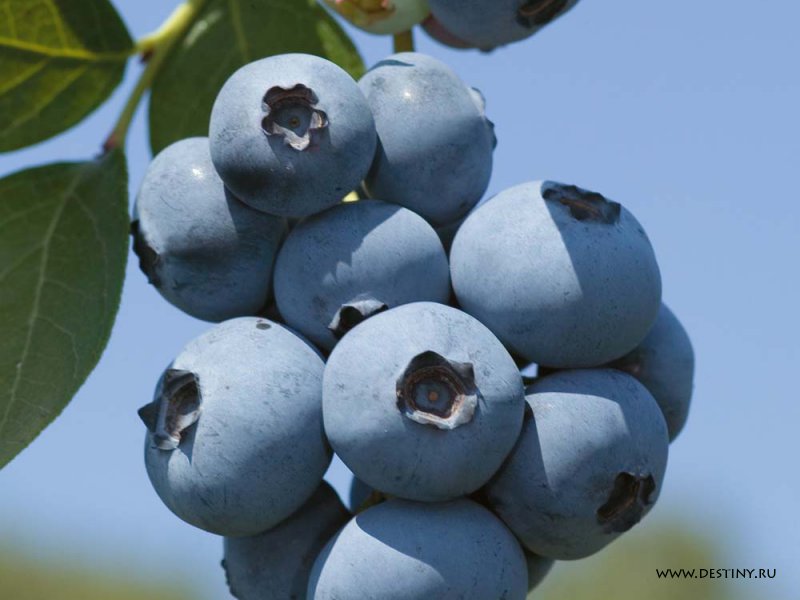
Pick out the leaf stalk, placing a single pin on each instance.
(154, 49)
(404, 41)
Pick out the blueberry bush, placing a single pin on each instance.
(500, 376)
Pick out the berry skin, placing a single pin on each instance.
(664, 364)
(422, 402)
(345, 264)
(564, 277)
(382, 17)
(487, 24)
(292, 134)
(435, 143)
(206, 252)
(275, 565)
(235, 441)
(588, 465)
(410, 550)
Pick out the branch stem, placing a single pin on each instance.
(154, 50)
(404, 41)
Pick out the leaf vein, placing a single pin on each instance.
(19, 261)
(57, 21)
(71, 337)
(37, 298)
(64, 53)
(34, 110)
(22, 77)
(99, 236)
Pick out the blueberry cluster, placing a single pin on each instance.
(348, 327)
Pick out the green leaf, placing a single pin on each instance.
(59, 60)
(227, 35)
(63, 247)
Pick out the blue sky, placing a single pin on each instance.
(685, 112)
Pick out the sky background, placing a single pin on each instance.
(687, 113)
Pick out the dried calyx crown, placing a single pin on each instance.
(354, 312)
(176, 408)
(629, 498)
(148, 257)
(292, 114)
(433, 390)
(583, 205)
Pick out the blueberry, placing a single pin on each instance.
(402, 549)
(588, 466)
(564, 277)
(664, 363)
(435, 142)
(422, 402)
(291, 134)
(382, 17)
(487, 24)
(538, 568)
(203, 250)
(343, 265)
(235, 441)
(275, 565)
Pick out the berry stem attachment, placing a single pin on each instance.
(154, 50)
(404, 41)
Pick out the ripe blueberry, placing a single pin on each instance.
(403, 549)
(664, 363)
(345, 264)
(562, 276)
(588, 466)
(435, 143)
(206, 252)
(422, 402)
(235, 441)
(275, 565)
(291, 134)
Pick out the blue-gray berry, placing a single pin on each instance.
(412, 550)
(275, 565)
(235, 442)
(664, 363)
(588, 466)
(206, 252)
(291, 134)
(563, 276)
(341, 266)
(422, 402)
(435, 143)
